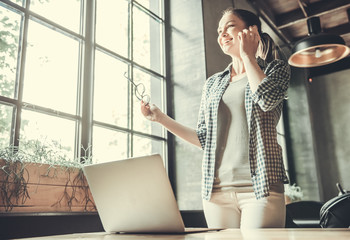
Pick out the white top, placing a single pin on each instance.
(232, 169)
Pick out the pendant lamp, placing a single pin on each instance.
(318, 48)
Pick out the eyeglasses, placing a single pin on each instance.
(139, 91)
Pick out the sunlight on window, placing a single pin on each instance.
(112, 25)
(144, 146)
(109, 145)
(147, 41)
(153, 88)
(48, 130)
(63, 12)
(58, 78)
(19, 2)
(152, 5)
(51, 76)
(6, 113)
(110, 90)
(9, 42)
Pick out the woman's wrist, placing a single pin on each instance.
(248, 58)
(160, 118)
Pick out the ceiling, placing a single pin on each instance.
(288, 17)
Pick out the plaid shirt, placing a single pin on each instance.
(263, 111)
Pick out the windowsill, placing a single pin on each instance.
(20, 225)
(45, 214)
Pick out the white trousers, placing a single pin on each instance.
(243, 210)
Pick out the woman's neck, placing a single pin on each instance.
(237, 67)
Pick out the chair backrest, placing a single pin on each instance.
(305, 209)
(305, 213)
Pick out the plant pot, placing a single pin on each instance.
(34, 187)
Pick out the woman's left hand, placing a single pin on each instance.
(249, 41)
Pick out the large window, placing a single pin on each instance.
(62, 68)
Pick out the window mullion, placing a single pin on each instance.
(20, 79)
(131, 75)
(88, 75)
(78, 127)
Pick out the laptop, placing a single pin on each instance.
(135, 196)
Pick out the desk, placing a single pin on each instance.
(257, 234)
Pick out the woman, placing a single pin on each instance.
(243, 172)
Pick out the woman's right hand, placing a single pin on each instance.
(151, 112)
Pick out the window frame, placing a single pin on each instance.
(83, 116)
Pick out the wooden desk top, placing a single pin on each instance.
(258, 234)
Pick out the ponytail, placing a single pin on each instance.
(267, 49)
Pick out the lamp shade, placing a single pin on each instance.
(318, 48)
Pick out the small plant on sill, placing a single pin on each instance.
(14, 185)
(293, 192)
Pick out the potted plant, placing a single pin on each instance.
(42, 179)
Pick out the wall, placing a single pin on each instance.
(187, 60)
(301, 153)
(330, 104)
(216, 60)
(318, 129)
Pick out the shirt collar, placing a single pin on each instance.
(262, 64)
(226, 71)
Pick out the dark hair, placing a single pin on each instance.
(268, 49)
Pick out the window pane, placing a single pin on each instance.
(63, 12)
(145, 146)
(9, 44)
(45, 130)
(51, 71)
(112, 25)
(153, 88)
(147, 41)
(109, 145)
(6, 113)
(153, 5)
(19, 2)
(110, 90)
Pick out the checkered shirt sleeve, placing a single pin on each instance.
(272, 90)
